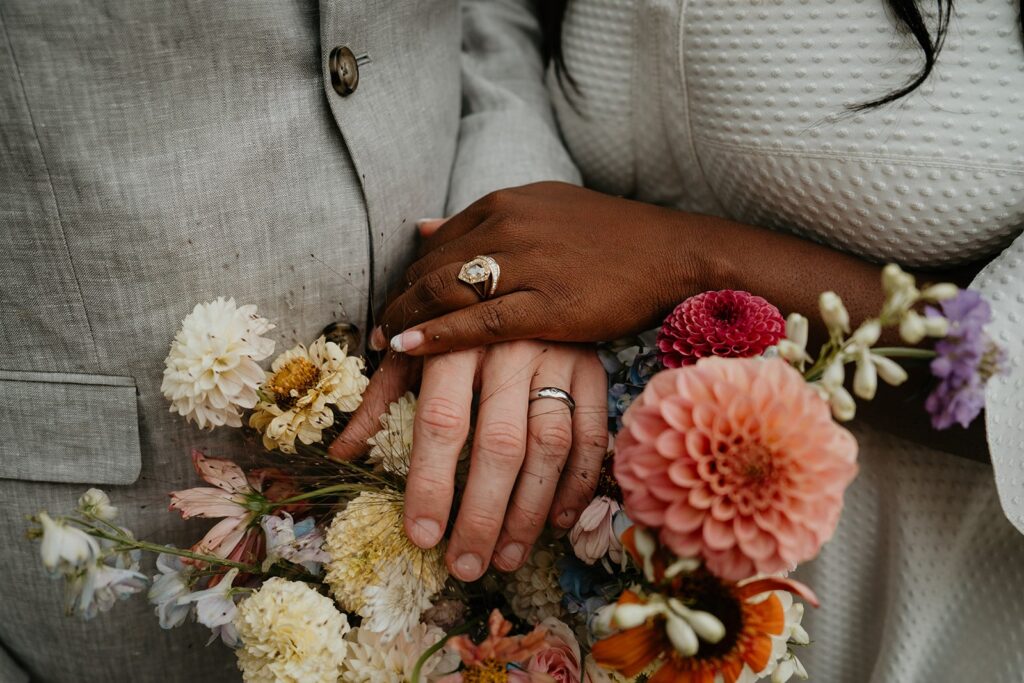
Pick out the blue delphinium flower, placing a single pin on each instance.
(630, 369)
(967, 358)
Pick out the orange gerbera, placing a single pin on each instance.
(752, 613)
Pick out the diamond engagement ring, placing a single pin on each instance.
(478, 273)
(555, 393)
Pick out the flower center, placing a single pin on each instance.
(704, 591)
(725, 313)
(755, 463)
(294, 380)
(489, 671)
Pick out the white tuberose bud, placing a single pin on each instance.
(889, 370)
(865, 380)
(834, 313)
(940, 292)
(797, 329)
(844, 408)
(834, 375)
(867, 334)
(912, 327)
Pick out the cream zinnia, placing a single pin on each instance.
(392, 445)
(211, 372)
(290, 634)
(300, 391)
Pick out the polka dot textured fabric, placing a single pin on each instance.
(742, 109)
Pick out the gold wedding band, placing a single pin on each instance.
(482, 274)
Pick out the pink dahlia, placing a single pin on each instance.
(736, 461)
(728, 323)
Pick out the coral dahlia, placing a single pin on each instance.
(736, 461)
(726, 323)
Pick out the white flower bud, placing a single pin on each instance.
(936, 326)
(889, 370)
(867, 334)
(797, 329)
(865, 379)
(65, 546)
(895, 280)
(682, 635)
(843, 406)
(96, 503)
(834, 375)
(833, 312)
(601, 624)
(940, 292)
(705, 624)
(792, 353)
(635, 614)
(912, 327)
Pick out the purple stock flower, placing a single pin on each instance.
(966, 359)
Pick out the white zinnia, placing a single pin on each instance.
(211, 373)
(290, 634)
(374, 659)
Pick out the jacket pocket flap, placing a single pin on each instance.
(68, 428)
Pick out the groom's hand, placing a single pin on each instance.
(531, 461)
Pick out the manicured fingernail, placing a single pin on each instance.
(423, 221)
(468, 567)
(377, 339)
(513, 554)
(425, 532)
(407, 341)
(566, 518)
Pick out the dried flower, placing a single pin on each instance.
(533, 590)
(490, 659)
(392, 445)
(301, 390)
(967, 358)
(593, 536)
(366, 542)
(211, 373)
(232, 497)
(722, 458)
(290, 634)
(168, 589)
(96, 503)
(373, 659)
(65, 547)
(726, 323)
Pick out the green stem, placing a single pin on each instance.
(129, 542)
(421, 662)
(903, 352)
(326, 491)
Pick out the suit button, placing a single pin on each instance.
(344, 71)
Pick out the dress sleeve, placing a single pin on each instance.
(508, 135)
(1002, 284)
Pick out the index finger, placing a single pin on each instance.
(439, 434)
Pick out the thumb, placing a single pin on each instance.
(395, 376)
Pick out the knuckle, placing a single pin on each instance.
(429, 480)
(478, 523)
(501, 439)
(493, 319)
(494, 202)
(555, 437)
(595, 438)
(443, 419)
(525, 522)
(435, 286)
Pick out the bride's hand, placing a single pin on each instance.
(576, 265)
(531, 461)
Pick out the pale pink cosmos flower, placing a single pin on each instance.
(229, 498)
(736, 461)
(593, 535)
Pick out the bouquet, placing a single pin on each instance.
(728, 469)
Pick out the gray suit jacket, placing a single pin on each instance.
(158, 153)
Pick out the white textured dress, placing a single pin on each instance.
(737, 108)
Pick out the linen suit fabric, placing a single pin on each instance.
(156, 155)
(739, 110)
